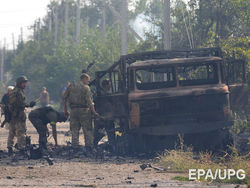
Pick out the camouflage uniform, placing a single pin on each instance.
(17, 126)
(80, 99)
(40, 117)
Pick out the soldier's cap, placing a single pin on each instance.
(21, 79)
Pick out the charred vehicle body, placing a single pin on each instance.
(159, 95)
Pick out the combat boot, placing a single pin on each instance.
(10, 151)
(90, 151)
(22, 153)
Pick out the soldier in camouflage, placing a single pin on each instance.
(16, 105)
(40, 117)
(79, 97)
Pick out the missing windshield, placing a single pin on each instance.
(197, 74)
(155, 78)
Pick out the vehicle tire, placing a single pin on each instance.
(215, 141)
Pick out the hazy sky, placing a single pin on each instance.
(15, 14)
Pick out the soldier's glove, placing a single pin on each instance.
(32, 103)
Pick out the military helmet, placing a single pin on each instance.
(21, 79)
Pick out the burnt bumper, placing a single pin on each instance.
(187, 128)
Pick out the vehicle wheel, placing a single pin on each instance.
(151, 144)
(216, 141)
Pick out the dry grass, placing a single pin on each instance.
(183, 159)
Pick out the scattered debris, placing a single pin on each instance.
(78, 185)
(34, 152)
(130, 178)
(100, 178)
(68, 143)
(144, 166)
(49, 160)
(129, 182)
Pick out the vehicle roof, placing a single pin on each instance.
(160, 62)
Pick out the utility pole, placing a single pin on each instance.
(104, 18)
(13, 42)
(167, 25)
(56, 24)
(66, 14)
(124, 8)
(78, 21)
(50, 22)
(21, 36)
(34, 31)
(2, 63)
(38, 31)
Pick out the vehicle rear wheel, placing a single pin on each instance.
(216, 141)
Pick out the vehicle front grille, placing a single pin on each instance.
(186, 109)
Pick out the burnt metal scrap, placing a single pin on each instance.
(166, 93)
(167, 54)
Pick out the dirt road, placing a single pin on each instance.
(81, 171)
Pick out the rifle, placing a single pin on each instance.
(88, 67)
(7, 116)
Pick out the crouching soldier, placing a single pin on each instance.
(40, 117)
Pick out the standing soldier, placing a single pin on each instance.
(16, 105)
(4, 106)
(40, 117)
(79, 96)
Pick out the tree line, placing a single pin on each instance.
(57, 51)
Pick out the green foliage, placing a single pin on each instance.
(237, 48)
(240, 123)
(204, 23)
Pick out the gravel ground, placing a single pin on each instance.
(82, 171)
